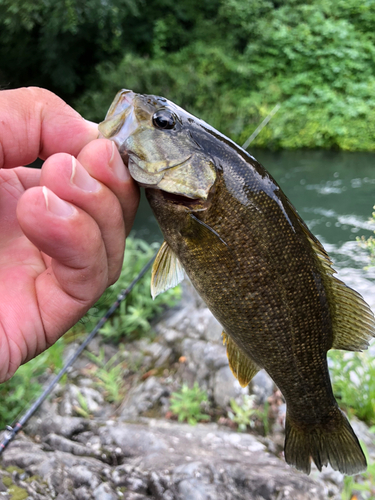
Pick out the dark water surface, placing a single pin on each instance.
(334, 193)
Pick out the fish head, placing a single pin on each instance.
(154, 137)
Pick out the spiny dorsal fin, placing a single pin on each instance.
(353, 322)
(242, 367)
(167, 271)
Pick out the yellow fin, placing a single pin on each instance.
(242, 367)
(353, 322)
(167, 271)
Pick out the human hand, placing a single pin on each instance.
(62, 228)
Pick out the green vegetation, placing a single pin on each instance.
(135, 313)
(132, 318)
(186, 404)
(228, 61)
(243, 415)
(369, 244)
(24, 386)
(247, 414)
(108, 376)
(364, 483)
(353, 378)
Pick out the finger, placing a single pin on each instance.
(78, 274)
(103, 161)
(36, 123)
(70, 181)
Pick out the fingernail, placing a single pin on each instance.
(56, 205)
(82, 179)
(117, 165)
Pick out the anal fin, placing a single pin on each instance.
(242, 367)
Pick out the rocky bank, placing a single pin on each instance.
(137, 451)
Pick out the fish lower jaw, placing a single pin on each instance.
(193, 204)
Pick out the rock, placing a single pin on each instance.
(104, 492)
(226, 387)
(60, 443)
(63, 426)
(143, 398)
(162, 460)
(262, 386)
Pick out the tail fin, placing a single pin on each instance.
(333, 443)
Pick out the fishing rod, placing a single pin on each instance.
(261, 126)
(13, 431)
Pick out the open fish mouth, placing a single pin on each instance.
(120, 121)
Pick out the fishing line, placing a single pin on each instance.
(261, 126)
(13, 431)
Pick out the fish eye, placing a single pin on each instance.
(164, 119)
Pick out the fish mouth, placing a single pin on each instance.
(120, 121)
(192, 204)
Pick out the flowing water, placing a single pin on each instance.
(334, 192)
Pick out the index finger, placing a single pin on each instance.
(34, 123)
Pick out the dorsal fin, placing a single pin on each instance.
(167, 271)
(353, 322)
(242, 367)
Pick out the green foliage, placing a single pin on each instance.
(353, 378)
(369, 244)
(18, 392)
(318, 60)
(364, 483)
(186, 404)
(56, 43)
(135, 313)
(245, 415)
(108, 376)
(228, 61)
(83, 408)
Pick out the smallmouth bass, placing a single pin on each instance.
(261, 272)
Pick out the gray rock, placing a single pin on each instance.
(64, 426)
(225, 387)
(63, 444)
(262, 386)
(104, 492)
(82, 476)
(164, 460)
(83, 493)
(143, 398)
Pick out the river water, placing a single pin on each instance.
(334, 193)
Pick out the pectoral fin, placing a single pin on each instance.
(243, 368)
(167, 271)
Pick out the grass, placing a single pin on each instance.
(18, 392)
(353, 380)
(364, 483)
(108, 376)
(186, 404)
(133, 317)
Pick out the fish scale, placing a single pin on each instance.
(264, 276)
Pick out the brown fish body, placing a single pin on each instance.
(261, 283)
(261, 272)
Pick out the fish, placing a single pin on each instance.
(231, 230)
